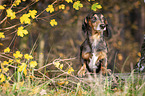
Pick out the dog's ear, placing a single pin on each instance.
(85, 25)
(107, 33)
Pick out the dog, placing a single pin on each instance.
(140, 66)
(93, 51)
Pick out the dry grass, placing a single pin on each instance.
(66, 84)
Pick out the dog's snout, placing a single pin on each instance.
(102, 26)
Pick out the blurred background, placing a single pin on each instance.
(126, 20)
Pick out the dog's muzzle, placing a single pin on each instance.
(102, 26)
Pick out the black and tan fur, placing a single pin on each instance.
(93, 51)
(140, 66)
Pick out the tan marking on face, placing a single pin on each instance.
(86, 56)
(96, 25)
(96, 15)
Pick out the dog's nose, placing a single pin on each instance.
(102, 26)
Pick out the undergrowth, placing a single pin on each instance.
(66, 83)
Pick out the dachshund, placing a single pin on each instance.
(93, 51)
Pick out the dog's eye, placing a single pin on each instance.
(93, 19)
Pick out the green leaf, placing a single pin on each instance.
(96, 6)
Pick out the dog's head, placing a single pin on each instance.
(96, 23)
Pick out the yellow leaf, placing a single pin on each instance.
(23, 68)
(120, 57)
(17, 2)
(2, 35)
(27, 56)
(61, 66)
(21, 83)
(53, 22)
(91, 0)
(36, 0)
(1, 44)
(77, 5)
(66, 82)
(5, 70)
(56, 64)
(96, 6)
(25, 71)
(17, 54)
(5, 63)
(18, 60)
(69, 1)
(21, 32)
(62, 6)
(139, 54)
(70, 70)
(34, 91)
(33, 64)
(6, 86)
(62, 81)
(10, 14)
(7, 50)
(32, 13)
(50, 8)
(10, 60)
(8, 78)
(24, 19)
(2, 7)
(2, 77)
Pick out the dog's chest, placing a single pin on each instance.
(97, 43)
(99, 50)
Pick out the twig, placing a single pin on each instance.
(4, 56)
(10, 27)
(6, 16)
(12, 40)
(52, 63)
(49, 79)
(3, 20)
(45, 9)
(25, 7)
(141, 86)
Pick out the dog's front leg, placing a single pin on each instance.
(104, 69)
(82, 71)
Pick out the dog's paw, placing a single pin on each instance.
(82, 71)
(105, 71)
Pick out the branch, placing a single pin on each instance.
(45, 9)
(52, 63)
(11, 27)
